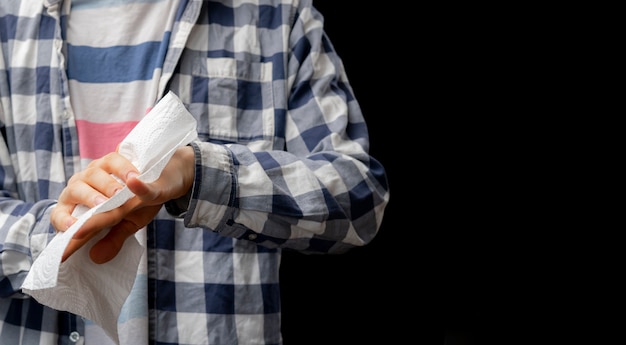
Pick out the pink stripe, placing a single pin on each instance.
(97, 139)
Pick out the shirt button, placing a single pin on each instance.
(66, 114)
(252, 236)
(74, 336)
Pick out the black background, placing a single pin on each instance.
(418, 281)
(486, 236)
(454, 262)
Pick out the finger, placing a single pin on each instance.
(139, 188)
(91, 227)
(115, 164)
(111, 244)
(61, 216)
(99, 181)
(90, 188)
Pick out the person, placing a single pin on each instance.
(281, 160)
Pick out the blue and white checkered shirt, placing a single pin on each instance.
(282, 162)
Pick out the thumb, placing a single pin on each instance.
(141, 189)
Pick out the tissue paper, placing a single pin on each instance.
(98, 291)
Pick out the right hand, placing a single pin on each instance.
(95, 185)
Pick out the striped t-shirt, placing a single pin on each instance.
(114, 70)
(113, 73)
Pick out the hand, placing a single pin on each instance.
(95, 184)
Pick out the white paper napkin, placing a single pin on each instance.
(98, 291)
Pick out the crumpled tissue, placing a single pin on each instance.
(98, 291)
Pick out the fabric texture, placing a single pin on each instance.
(282, 162)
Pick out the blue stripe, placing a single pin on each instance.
(137, 303)
(117, 64)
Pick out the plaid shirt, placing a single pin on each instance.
(281, 163)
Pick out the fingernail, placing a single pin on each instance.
(100, 199)
(132, 174)
(69, 222)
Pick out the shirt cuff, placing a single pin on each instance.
(178, 207)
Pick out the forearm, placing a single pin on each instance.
(312, 205)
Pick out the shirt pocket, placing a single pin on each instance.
(239, 101)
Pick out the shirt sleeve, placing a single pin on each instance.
(25, 230)
(323, 193)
